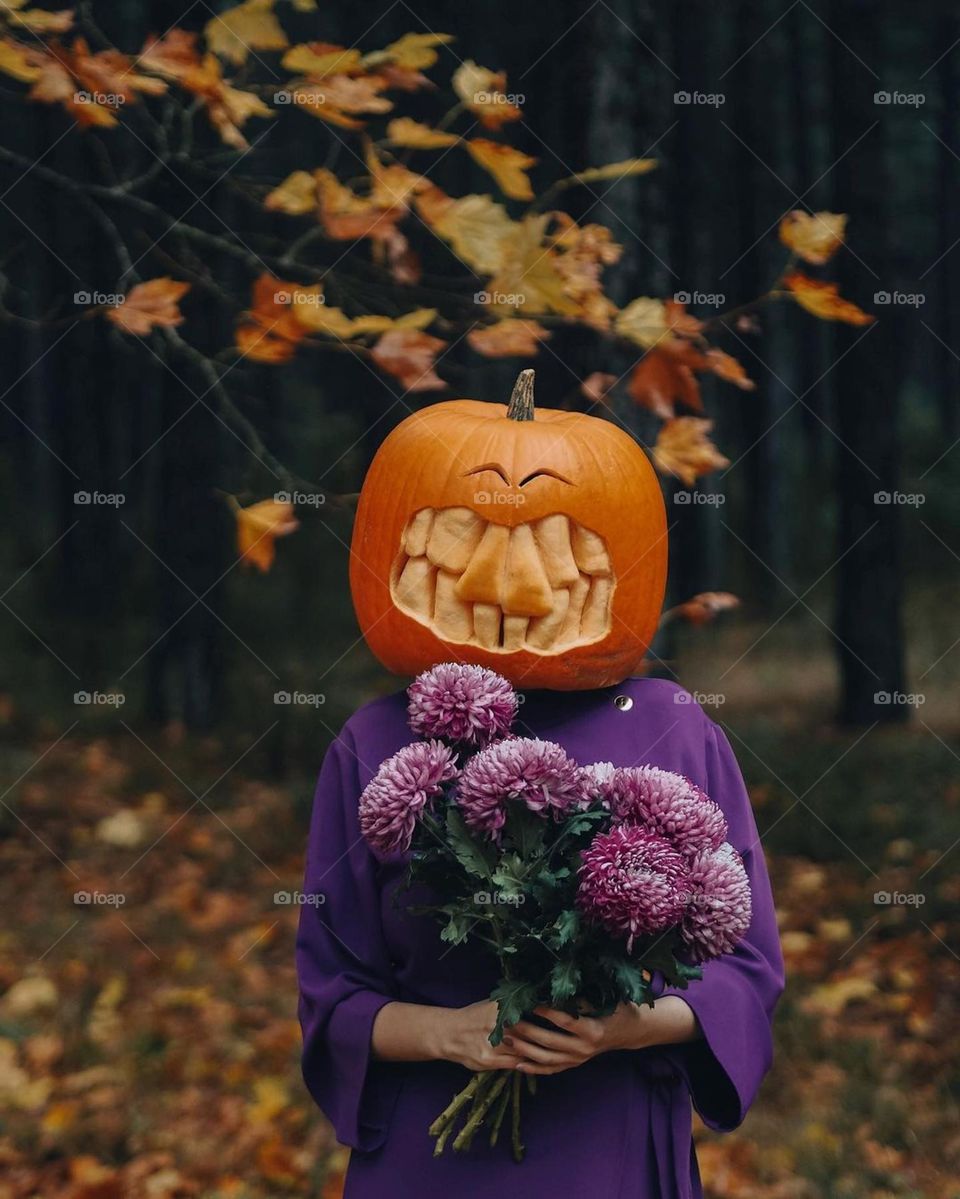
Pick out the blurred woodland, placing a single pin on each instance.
(239, 245)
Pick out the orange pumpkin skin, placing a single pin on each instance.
(441, 458)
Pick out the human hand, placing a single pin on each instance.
(463, 1036)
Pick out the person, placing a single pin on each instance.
(394, 1020)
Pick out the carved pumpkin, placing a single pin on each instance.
(530, 542)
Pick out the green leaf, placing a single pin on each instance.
(525, 830)
(457, 929)
(564, 980)
(475, 857)
(514, 1001)
(567, 926)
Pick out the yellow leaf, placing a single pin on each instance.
(16, 61)
(528, 276)
(831, 998)
(250, 26)
(508, 339)
(296, 195)
(643, 321)
(814, 237)
(258, 528)
(271, 1099)
(149, 305)
(615, 170)
(317, 317)
(318, 59)
(481, 90)
(305, 5)
(684, 449)
(414, 51)
(404, 131)
(823, 300)
(476, 227)
(506, 164)
(36, 20)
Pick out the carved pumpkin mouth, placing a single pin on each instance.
(544, 586)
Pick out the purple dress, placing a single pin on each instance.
(618, 1127)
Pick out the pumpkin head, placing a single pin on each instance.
(530, 542)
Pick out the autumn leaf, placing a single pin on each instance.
(613, 170)
(481, 91)
(703, 608)
(269, 331)
(477, 227)
(258, 528)
(297, 195)
(823, 300)
(529, 276)
(149, 305)
(408, 355)
(508, 339)
(346, 216)
(814, 237)
(664, 377)
(728, 368)
(506, 164)
(337, 98)
(404, 131)
(412, 52)
(684, 449)
(334, 322)
(36, 20)
(643, 321)
(18, 61)
(318, 59)
(596, 387)
(236, 33)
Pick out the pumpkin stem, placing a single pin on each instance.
(521, 400)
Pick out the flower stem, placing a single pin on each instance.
(456, 1103)
(464, 1138)
(515, 1120)
(499, 1114)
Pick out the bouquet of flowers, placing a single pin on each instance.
(582, 880)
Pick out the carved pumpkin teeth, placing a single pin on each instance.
(504, 589)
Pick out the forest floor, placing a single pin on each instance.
(148, 1040)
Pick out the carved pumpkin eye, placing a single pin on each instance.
(552, 474)
(497, 470)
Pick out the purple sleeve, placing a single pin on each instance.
(342, 963)
(734, 1000)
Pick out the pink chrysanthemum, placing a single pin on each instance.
(632, 882)
(719, 907)
(404, 785)
(668, 804)
(600, 777)
(464, 704)
(537, 773)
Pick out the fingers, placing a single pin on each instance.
(525, 1031)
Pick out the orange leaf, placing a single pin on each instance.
(664, 377)
(823, 300)
(728, 369)
(705, 607)
(814, 237)
(684, 449)
(408, 355)
(269, 331)
(596, 387)
(403, 131)
(258, 528)
(508, 339)
(149, 305)
(337, 98)
(481, 90)
(506, 164)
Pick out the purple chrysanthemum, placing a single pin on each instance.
(632, 882)
(668, 804)
(600, 777)
(537, 773)
(719, 907)
(464, 704)
(403, 786)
